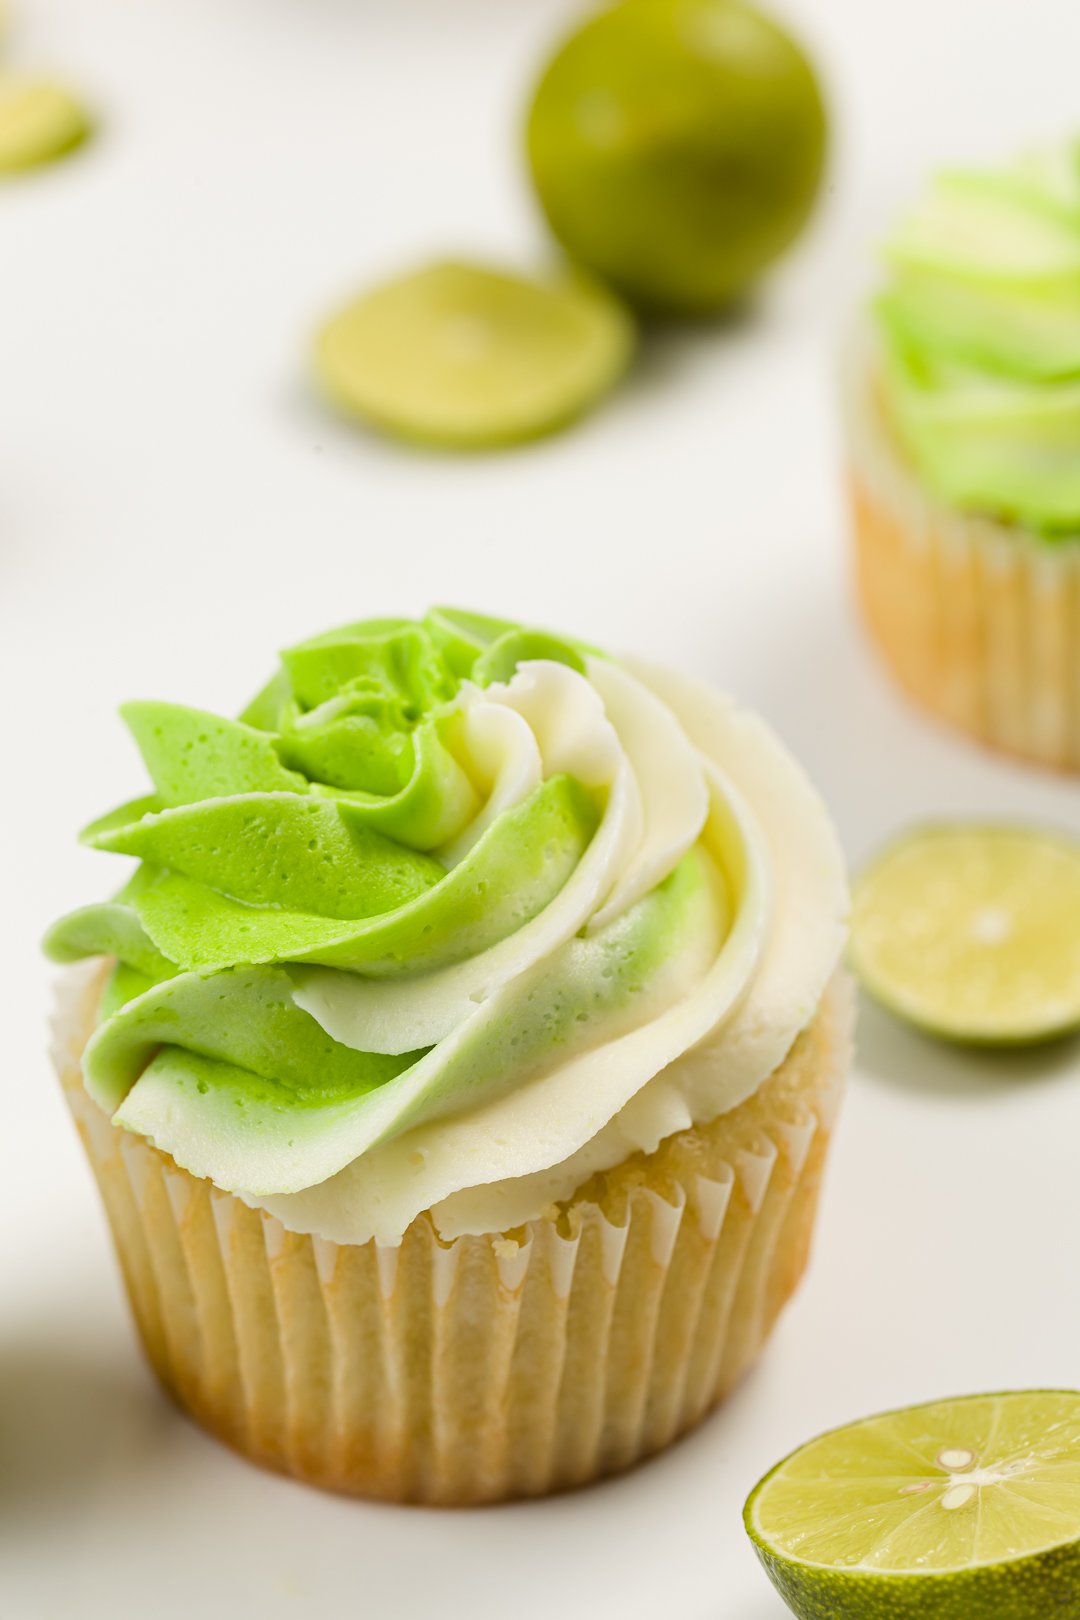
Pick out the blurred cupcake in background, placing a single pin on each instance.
(963, 429)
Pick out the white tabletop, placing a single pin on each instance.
(174, 506)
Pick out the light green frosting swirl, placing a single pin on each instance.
(980, 329)
(404, 805)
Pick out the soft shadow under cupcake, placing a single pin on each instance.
(875, 757)
(72, 1423)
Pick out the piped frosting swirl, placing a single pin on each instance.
(453, 915)
(979, 323)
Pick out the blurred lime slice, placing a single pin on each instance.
(973, 932)
(471, 358)
(677, 147)
(39, 121)
(961, 1510)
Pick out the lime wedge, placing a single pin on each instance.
(961, 1510)
(470, 358)
(39, 121)
(973, 932)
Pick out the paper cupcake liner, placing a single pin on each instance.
(487, 1367)
(978, 620)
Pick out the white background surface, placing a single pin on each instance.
(174, 506)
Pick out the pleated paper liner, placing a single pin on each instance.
(979, 621)
(487, 1367)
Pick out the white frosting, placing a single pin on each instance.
(405, 1014)
(680, 764)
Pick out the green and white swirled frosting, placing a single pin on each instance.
(454, 915)
(980, 328)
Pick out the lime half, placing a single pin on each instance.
(471, 358)
(973, 932)
(39, 121)
(961, 1510)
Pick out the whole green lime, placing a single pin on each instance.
(677, 147)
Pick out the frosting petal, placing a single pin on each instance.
(509, 876)
(674, 792)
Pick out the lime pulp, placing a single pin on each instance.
(972, 932)
(960, 1510)
(471, 358)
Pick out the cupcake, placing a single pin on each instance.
(963, 414)
(459, 1061)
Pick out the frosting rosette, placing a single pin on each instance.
(980, 336)
(454, 915)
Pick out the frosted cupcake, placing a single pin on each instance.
(459, 1063)
(964, 437)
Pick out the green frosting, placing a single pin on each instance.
(980, 329)
(306, 1105)
(310, 831)
(353, 899)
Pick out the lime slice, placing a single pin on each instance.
(470, 358)
(39, 121)
(961, 1510)
(973, 932)
(677, 147)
